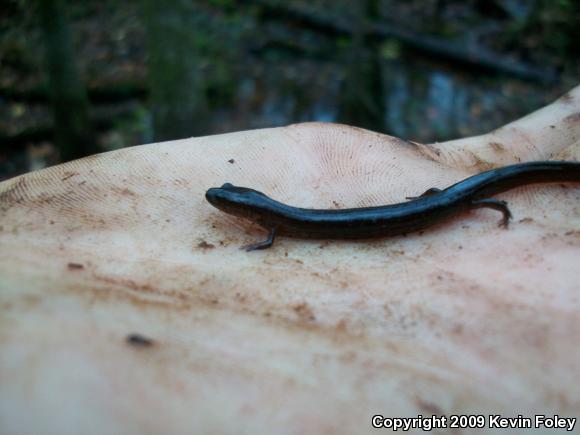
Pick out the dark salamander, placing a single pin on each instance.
(421, 212)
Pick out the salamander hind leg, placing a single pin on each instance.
(264, 244)
(495, 204)
(428, 192)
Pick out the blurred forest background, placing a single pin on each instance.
(79, 77)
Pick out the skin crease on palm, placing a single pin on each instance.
(309, 336)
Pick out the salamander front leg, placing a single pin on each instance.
(428, 192)
(264, 244)
(496, 204)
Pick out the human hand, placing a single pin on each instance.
(127, 303)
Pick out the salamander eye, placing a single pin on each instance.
(227, 186)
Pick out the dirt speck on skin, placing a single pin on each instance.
(429, 151)
(428, 407)
(457, 329)
(204, 245)
(68, 175)
(496, 146)
(139, 341)
(127, 283)
(342, 326)
(567, 98)
(572, 120)
(240, 297)
(123, 191)
(75, 266)
(232, 161)
(480, 164)
(304, 312)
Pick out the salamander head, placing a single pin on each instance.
(238, 201)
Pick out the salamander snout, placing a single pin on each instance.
(225, 196)
(232, 198)
(215, 195)
(238, 201)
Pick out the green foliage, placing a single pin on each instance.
(390, 49)
(551, 30)
(222, 3)
(343, 42)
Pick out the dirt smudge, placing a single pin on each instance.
(205, 245)
(567, 98)
(68, 174)
(428, 407)
(496, 146)
(304, 312)
(123, 191)
(75, 266)
(480, 164)
(139, 341)
(572, 120)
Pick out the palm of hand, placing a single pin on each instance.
(465, 316)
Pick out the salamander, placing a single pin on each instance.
(420, 212)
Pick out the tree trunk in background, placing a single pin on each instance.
(74, 135)
(362, 101)
(178, 99)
